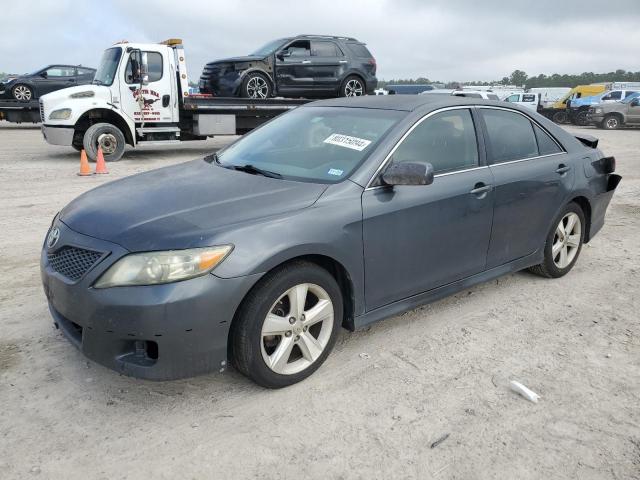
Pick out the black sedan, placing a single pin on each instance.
(54, 77)
(339, 213)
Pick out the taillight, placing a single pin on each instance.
(372, 62)
(608, 164)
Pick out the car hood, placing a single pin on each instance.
(248, 58)
(182, 206)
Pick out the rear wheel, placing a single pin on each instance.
(352, 87)
(611, 122)
(22, 92)
(560, 117)
(255, 85)
(107, 136)
(563, 244)
(287, 325)
(581, 118)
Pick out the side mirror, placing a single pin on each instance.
(635, 102)
(144, 70)
(408, 173)
(44, 74)
(282, 54)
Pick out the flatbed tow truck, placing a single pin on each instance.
(140, 96)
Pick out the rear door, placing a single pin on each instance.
(533, 178)
(328, 64)
(56, 77)
(417, 238)
(633, 111)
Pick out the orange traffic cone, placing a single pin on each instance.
(101, 167)
(85, 170)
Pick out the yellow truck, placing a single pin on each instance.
(558, 111)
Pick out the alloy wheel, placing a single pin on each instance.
(22, 92)
(297, 329)
(353, 88)
(257, 87)
(612, 122)
(566, 241)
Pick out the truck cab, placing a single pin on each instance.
(528, 100)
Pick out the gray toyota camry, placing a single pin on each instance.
(337, 214)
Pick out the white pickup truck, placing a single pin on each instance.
(528, 100)
(140, 95)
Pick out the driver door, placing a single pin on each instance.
(154, 102)
(55, 78)
(294, 69)
(417, 238)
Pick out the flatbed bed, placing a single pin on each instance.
(18, 111)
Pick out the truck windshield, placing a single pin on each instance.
(311, 144)
(629, 98)
(269, 48)
(106, 73)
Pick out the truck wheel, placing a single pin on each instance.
(287, 325)
(255, 85)
(22, 92)
(611, 122)
(109, 137)
(352, 87)
(560, 117)
(581, 119)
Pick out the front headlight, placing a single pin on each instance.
(85, 94)
(152, 268)
(62, 114)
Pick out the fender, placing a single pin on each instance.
(244, 73)
(100, 111)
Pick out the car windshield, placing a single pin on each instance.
(311, 144)
(269, 48)
(629, 98)
(106, 73)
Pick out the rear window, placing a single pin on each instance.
(325, 49)
(493, 96)
(359, 50)
(510, 136)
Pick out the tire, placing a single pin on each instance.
(22, 92)
(611, 122)
(558, 262)
(560, 117)
(77, 148)
(581, 118)
(276, 361)
(256, 85)
(111, 139)
(352, 86)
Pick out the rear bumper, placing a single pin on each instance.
(58, 135)
(157, 332)
(600, 203)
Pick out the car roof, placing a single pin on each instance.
(407, 103)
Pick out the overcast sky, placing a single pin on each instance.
(439, 39)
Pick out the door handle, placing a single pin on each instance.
(481, 189)
(562, 169)
(305, 62)
(343, 61)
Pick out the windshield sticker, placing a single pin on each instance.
(335, 171)
(346, 141)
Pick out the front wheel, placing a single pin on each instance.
(581, 119)
(22, 92)
(256, 85)
(107, 136)
(287, 325)
(560, 117)
(611, 122)
(564, 243)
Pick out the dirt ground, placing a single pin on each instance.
(383, 397)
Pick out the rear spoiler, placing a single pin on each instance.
(587, 140)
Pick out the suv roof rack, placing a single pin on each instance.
(334, 37)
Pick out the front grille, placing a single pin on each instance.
(41, 111)
(73, 262)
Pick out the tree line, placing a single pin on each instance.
(520, 78)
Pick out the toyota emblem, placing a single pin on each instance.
(53, 237)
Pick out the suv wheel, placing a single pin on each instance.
(256, 85)
(352, 87)
(611, 122)
(287, 325)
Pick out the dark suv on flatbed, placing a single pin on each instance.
(303, 66)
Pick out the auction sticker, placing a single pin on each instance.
(347, 141)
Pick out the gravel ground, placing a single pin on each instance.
(383, 397)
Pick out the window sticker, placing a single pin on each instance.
(347, 141)
(335, 171)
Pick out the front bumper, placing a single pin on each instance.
(56, 135)
(157, 332)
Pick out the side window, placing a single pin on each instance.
(154, 64)
(493, 96)
(325, 49)
(617, 95)
(546, 144)
(61, 72)
(84, 71)
(510, 136)
(513, 98)
(299, 48)
(447, 140)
